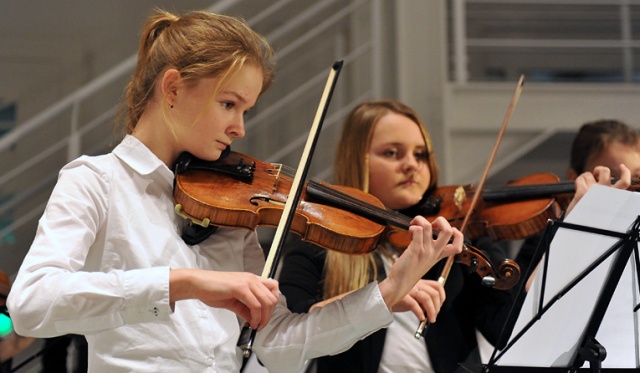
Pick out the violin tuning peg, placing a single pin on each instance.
(473, 265)
(488, 281)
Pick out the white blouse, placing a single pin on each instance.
(99, 266)
(402, 352)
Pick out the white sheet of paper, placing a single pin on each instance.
(553, 339)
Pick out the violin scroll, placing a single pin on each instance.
(509, 271)
(505, 277)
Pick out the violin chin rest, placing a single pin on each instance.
(193, 234)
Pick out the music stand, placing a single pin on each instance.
(565, 319)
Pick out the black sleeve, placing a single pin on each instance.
(301, 275)
(492, 309)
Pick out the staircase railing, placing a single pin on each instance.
(22, 221)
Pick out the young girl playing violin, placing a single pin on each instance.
(385, 150)
(108, 260)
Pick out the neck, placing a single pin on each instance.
(154, 132)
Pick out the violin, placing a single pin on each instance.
(521, 189)
(250, 193)
(518, 210)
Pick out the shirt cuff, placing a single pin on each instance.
(146, 295)
(368, 301)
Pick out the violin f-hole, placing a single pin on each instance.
(253, 201)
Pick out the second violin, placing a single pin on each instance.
(499, 214)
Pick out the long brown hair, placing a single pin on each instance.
(344, 272)
(199, 45)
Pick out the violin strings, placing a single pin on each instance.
(367, 209)
(324, 191)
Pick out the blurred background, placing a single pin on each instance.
(64, 65)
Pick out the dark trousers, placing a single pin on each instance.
(54, 356)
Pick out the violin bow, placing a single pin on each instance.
(247, 335)
(448, 264)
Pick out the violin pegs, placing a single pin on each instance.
(488, 281)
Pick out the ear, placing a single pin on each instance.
(169, 85)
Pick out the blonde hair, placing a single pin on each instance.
(345, 272)
(199, 45)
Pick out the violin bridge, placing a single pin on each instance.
(275, 171)
(459, 197)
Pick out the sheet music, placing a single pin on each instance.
(554, 338)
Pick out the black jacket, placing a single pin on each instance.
(451, 340)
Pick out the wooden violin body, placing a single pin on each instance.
(505, 216)
(241, 192)
(253, 194)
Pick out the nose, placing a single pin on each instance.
(237, 130)
(410, 163)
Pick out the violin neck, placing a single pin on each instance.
(329, 196)
(527, 191)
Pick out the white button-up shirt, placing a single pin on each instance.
(99, 266)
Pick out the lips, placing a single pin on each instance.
(409, 182)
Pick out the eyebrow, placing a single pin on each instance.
(401, 144)
(237, 95)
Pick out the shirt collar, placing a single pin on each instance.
(135, 154)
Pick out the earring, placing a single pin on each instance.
(170, 106)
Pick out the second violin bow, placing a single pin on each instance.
(422, 328)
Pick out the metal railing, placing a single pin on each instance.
(287, 33)
(546, 25)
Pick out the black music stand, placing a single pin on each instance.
(559, 334)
